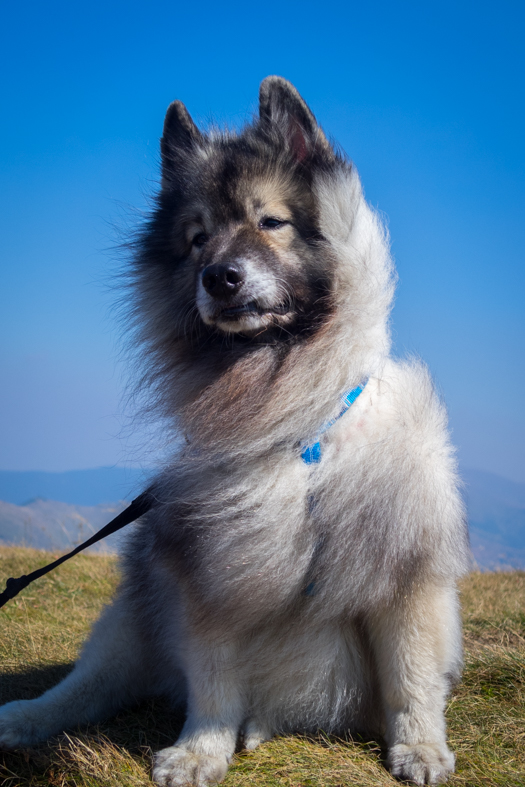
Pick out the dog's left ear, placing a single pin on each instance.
(281, 105)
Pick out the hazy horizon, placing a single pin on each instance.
(57, 510)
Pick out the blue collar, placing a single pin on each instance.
(311, 454)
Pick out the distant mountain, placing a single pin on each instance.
(496, 510)
(47, 524)
(77, 487)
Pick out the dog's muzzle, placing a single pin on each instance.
(223, 281)
(239, 297)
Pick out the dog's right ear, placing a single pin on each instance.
(180, 133)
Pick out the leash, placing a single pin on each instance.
(138, 508)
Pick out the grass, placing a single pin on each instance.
(43, 628)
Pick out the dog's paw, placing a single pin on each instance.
(19, 725)
(424, 763)
(254, 733)
(177, 767)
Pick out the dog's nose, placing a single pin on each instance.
(222, 281)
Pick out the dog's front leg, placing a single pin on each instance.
(417, 646)
(216, 708)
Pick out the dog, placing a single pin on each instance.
(298, 570)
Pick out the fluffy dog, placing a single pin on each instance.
(299, 568)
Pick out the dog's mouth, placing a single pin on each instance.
(253, 308)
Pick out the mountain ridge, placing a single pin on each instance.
(59, 510)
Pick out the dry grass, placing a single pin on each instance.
(44, 627)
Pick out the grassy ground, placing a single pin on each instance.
(44, 626)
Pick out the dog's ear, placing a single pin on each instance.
(179, 134)
(281, 105)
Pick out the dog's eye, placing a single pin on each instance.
(270, 223)
(200, 239)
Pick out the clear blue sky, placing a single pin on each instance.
(426, 98)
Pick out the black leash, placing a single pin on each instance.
(138, 507)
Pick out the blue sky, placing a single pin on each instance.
(427, 99)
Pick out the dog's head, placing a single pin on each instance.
(261, 273)
(236, 239)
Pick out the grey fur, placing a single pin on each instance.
(261, 292)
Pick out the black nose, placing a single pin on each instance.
(222, 281)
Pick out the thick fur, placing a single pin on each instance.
(263, 593)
